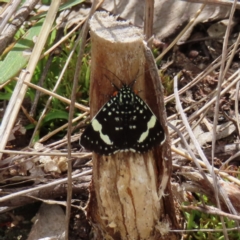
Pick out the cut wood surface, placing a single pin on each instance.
(126, 193)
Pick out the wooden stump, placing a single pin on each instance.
(127, 188)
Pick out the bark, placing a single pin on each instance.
(127, 188)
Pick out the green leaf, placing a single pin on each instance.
(5, 96)
(30, 126)
(55, 114)
(18, 57)
(64, 6)
(36, 137)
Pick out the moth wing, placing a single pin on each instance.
(148, 132)
(104, 132)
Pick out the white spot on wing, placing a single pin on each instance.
(98, 128)
(120, 98)
(151, 123)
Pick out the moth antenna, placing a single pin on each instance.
(135, 79)
(137, 76)
(115, 76)
(112, 83)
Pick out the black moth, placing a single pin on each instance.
(124, 123)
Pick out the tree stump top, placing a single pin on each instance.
(110, 29)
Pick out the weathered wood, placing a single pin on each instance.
(126, 187)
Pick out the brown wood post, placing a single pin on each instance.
(130, 192)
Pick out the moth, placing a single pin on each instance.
(124, 123)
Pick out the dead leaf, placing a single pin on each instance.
(49, 223)
(168, 14)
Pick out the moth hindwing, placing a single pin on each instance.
(124, 123)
